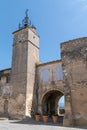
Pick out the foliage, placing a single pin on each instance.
(37, 113)
(55, 114)
(45, 114)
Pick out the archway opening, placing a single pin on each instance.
(61, 106)
(50, 102)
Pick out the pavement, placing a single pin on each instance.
(33, 125)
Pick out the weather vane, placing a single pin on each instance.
(26, 21)
(26, 12)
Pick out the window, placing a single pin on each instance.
(7, 79)
(45, 75)
(6, 106)
(59, 72)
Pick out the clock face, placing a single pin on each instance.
(20, 37)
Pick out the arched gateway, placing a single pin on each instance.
(50, 102)
(50, 87)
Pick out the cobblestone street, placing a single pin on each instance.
(32, 125)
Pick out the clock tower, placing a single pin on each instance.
(24, 60)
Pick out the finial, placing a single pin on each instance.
(33, 26)
(26, 12)
(26, 21)
(19, 26)
(23, 23)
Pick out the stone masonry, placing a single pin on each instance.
(74, 62)
(30, 86)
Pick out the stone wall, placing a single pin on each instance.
(25, 57)
(74, 62)
(32, 60)
(19, 74)
(48, 79)
(5, 91)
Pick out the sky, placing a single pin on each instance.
(56, 21)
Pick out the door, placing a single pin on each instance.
(6, 107)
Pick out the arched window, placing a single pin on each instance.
(6, 107)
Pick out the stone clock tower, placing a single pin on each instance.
(24, 60)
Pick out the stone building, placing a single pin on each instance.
(30, 86)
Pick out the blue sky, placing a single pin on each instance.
(56, 21)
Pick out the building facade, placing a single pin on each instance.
(30, 86)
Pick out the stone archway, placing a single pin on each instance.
(50, 102)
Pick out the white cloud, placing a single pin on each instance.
(80, 0)
(80, 10)
(84, 8)
(80, 4)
